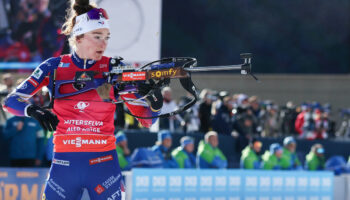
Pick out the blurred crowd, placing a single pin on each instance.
(245, 117)
(279, 157)
(30, 30)
(207, 155)
(217, 113)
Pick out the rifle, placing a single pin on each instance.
(158, 74)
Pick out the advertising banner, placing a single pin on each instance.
(179, 184)
(22, 183)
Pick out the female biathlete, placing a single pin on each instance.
(83, 120)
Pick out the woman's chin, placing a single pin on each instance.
(97, 57)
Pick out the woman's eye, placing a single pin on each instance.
(97, 37)
(107, 38)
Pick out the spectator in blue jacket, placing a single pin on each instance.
(123, 151)
(26, 141)
(209, 155)
(183, 155)
(162, 149)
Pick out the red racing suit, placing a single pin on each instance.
(84, 142)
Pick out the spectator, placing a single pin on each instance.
(6, 87)
(337, 164)
(289, 158)
(123, 151)
(8, 84)
(255, 106)
(315, 160)
(26, 141)
(208, 154)
(204, 112)
(272, 158)
(322, 124)
(271, 121)
(162, 149)
(190, 116)
(183, 155)
(169, 105)
(222, 122)
(288, 116)
(244, 129)
(250, 158)
(300, 120)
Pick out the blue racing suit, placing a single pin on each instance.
(84, 143)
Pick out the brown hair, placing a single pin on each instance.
(77, 7)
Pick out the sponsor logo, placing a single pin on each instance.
(61, 162)
(110, 181)
(191, 181)
(84, 76)
(33, 82)
(27, 174)
(326, 182)
(99, 189)
(83, 122)
(115, 195)
(265, 181)
(103, 66)
(63, 65)
(251, 181)
(314, 182)
(159, 181)
(100, 159)
(133, 76)
(37, 73)
(142, 181)
(166, 73)
(235, 181)
(290, 181)
(220, 181)
(81, 106)
(23, 86)
(78, 29)
(302, 182)
(175, 181)
(78, 142)
(206, 181)
(57, 188)
(277, 181)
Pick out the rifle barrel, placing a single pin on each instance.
(214, 68)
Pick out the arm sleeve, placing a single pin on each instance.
(140, 108)
(17, 102)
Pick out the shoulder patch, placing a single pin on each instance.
(37, 73)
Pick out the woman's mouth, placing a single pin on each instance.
(99, 52)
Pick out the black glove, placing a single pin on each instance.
(144, 88)
(47, 119)
(155, 99)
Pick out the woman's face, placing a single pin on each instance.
(93, 44)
